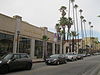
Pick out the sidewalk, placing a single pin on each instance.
(37, 60)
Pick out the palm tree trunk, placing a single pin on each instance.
(73, 44)
(77, 30)
(73, 16)
(82, 34)
(64, 35)
(69, 9)
(44, 49)
(74, 25)
(85, 34)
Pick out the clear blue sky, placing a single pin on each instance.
(46, 12)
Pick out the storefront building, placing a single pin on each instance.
(19, 36)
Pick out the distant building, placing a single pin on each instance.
(86, 45)
(69, 44)
(91, 43)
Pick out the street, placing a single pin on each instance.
(80, 67)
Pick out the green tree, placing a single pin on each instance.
(98, 15)
(63, 20)
(58, 29)
(45, 39)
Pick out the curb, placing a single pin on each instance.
(38, 61)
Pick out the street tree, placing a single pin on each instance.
(63, 20)
(45, 39)
(77, 25)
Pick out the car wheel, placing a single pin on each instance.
(72, 59)
(82, 58)
(47, 63)
(29, 66)
(58, 62)
(76, 59)
(4, 69)
(65, 61)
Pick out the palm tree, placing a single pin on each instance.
(82, 34)
(63, 9)
(90, 36)
(85, 34)
(58, 29)
(76, 6)
(69, 24)
(45, 39)
(72, 1)
(80, 12)
(90, 28)
(81, 17)
(63, 20)
(98, 15)
(69, 9)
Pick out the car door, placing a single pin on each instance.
(61, 59)
(15, 62)
(24, 60)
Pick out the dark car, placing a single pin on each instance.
(56, 59)
(15, 61)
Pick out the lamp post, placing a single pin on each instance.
(18, 38)
(18, 20)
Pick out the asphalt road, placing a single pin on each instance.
(87, 66)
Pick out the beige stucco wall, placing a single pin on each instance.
(8, 25)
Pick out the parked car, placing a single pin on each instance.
(97, 53)
(71, 56)
(79, 56)
(56, 59)
(84, 55)
(15, 61)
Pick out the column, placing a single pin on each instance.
(53, 48)
(17, 33)
(61, 47)
(32, 47)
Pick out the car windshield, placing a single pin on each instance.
(6, 57)
(54, 56)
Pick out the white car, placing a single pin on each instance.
(71, 56)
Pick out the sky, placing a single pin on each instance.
(45, 13)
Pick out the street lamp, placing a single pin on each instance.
(18, 37)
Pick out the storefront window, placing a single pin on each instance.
(38, 49)
(57, 48)
(6, 43)
(49, 49)
(24, 45)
